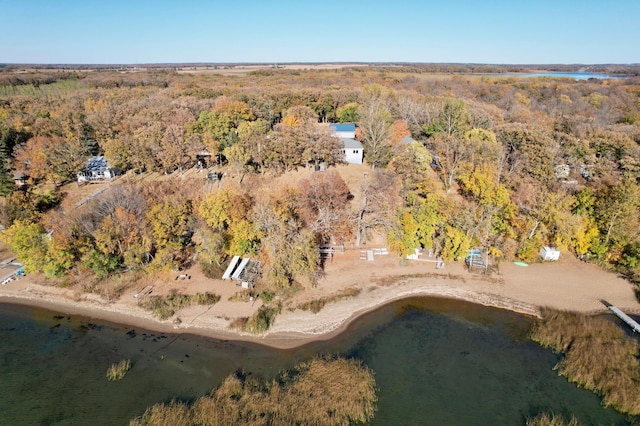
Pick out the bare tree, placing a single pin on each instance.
(375, 124)
(323, 204)
(127, 197)
(452, 152)
(416, 111)
(380, 197)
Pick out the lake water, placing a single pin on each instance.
(572, 75)
(436, 362)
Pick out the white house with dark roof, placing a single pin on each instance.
(351, 148)
(97, 170)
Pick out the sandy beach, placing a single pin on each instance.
(567, 285)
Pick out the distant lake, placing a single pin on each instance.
(572, 75)
(436, 362)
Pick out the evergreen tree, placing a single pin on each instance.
(6, 180)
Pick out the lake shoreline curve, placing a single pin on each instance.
(566, 285)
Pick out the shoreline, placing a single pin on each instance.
(279, 336)
(521, 290)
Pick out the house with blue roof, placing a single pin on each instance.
(344, 130)
(351, 148)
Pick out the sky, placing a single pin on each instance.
(286, 31)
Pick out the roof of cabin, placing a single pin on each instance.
(407, 139)
(343, 127)
(349, 143)
(97, 163)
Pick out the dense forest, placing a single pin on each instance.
(506, 163)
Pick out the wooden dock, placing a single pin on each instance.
(624, 317)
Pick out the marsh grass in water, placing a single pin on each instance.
(598, 356)
(165, 306)
(118, 370)
(320, 392)
(546, 419)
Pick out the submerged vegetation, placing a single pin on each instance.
(319, 392)
(118, 370)
(597, 355)
(165, 307)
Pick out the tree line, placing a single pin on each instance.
(506, 163)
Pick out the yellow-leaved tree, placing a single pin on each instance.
(456, 243)
(403, 237)
(227, 212)
(168, 222)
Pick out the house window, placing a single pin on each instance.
(355, 151)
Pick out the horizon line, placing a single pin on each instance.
(271, 63)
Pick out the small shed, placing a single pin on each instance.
(549, 253)
(204, 160)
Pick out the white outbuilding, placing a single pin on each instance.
(549, 253)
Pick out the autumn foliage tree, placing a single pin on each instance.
(379, 200)
(228, 213)
(299, 140)
(399, 130)
(170, 231)
(324, 201)
(52, 159)
(412, 162)
(288, 249)
(348, 113)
